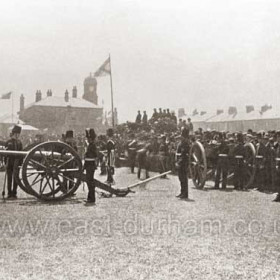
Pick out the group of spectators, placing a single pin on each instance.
(151, 146)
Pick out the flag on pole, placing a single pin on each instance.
(104, 69)
(6, 95)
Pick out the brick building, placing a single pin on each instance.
(56, 114)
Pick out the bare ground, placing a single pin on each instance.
(146, 235)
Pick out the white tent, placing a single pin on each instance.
(25, 127)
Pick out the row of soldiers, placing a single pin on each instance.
(229, 155)
(157, 115)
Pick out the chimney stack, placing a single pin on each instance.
(74, 92)
(38, 96)
(195, 112)
(202, 113)
(21, 104)
(232, 110)
(219, 111)
(265, 107)
(66, 97)
(249, 108)
(49, 92)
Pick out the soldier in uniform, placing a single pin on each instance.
(168, 114)
(110, 156)
(102, 146)
(223, 164)
(182, 156)
(145, 118)
(173, 117)
(261, 162)
(238, 158)
(138, 117)
(142, 158)
(160, 114)
(13, 144)
(155, 115)
(90, 164)
(132, 152)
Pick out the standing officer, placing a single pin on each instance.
(132, 152)
(182, 159)
(13, 144)
(90, 164)
(110, 156)
(223, 164)
(238, 170)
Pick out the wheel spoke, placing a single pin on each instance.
(35, 182)
(44, 186)
(66, 162)
(67, 178)
(38, 163)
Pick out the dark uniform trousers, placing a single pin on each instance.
(90, 169)
(238, 170)
(11, 182)
(182, 163)
(132, 159)
(183, 177)
(222, 171)
(90, 166)
(14, 145)
(110, 161)
(143, 163)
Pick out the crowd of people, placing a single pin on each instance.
(161, 144)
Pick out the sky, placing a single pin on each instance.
(183, 53)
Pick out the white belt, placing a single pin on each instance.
(89, 159)
(223, 155)
(239, 157)
(259, 157)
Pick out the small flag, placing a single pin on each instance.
(6, 95)
(104, 69)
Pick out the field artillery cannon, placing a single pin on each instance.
(52, 171)
(203, 161)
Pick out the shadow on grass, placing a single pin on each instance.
(187, 199)
(45, 203)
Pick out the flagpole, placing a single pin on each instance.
(112, 97)
(12, 107)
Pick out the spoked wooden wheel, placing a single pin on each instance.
(52, 171)
(250, 166)
(198, 165)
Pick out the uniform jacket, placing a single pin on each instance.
(13, 145)
(182, 153)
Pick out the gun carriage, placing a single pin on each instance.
(203, 160)
(52, 171)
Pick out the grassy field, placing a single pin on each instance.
(147, 235)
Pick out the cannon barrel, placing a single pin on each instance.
(37, 154)
(13, 153)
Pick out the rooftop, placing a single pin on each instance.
(59, 101)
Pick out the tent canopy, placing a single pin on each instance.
(25, 127)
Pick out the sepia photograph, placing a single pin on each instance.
(140, 140)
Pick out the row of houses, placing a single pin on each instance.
(265, 118)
